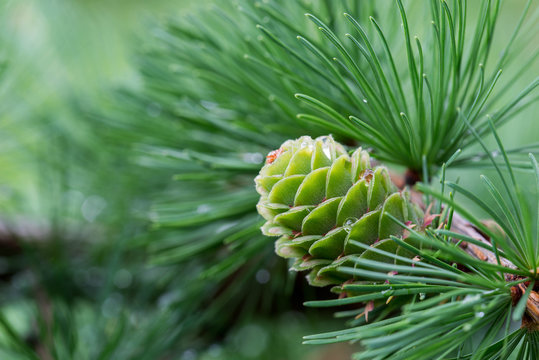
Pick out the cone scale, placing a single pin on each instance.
(320, 201)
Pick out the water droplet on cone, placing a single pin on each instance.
(347, 225)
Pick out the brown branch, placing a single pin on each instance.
(464, 227)
(531, 317)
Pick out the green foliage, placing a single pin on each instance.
(219, 88)
(445, 311)
(364, 86)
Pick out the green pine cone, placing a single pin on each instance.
(318, 199)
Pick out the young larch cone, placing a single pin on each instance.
(318, 198)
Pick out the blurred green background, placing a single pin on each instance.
(74, 201)
(72, 188)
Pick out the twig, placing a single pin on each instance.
(462, 226)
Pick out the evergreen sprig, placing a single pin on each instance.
(469, 311)
(220, 88)
(447, 86)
